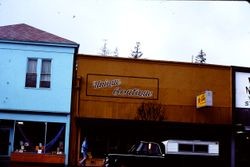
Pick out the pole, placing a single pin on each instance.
(45, 136)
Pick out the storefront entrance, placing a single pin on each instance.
(37, 138)
(6, 132)
(242, 148)
(4, 142)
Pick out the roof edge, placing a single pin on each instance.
(73, 45)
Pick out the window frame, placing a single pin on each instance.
(31, 77)
(43, 83)
(41, 78)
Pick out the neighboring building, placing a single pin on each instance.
(241, 116)
(36, 72)
(110, 90)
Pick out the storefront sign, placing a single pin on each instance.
(122, 86)
(204, 99)
(242, 90)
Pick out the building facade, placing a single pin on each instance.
(52, 98)
(36, 89)
(112, 97)
(241, 116)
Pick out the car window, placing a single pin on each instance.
(154, 149)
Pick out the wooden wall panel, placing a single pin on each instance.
(179, 84)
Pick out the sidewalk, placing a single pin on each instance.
(94, 162)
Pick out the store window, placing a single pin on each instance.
(39, 137)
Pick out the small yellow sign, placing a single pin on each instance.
(205, 99)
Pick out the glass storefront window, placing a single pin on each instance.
(55, 138)
(28, 135)
(39, 137)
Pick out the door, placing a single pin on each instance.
(4, 142)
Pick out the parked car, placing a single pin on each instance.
(177, 153)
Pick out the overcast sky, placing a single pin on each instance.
(167, 30)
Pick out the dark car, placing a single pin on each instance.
(170, 153)
(143, 153)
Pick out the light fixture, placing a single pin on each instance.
(240, 132)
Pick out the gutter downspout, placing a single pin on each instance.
(71, 153)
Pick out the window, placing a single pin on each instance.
(45, 74)
(33, 78)
(39, 137)
(201, 148)
(31, 75)
(155, 149)
(186, 147)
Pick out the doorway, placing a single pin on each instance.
(4, 142)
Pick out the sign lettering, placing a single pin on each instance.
(122, 86)
(204, 99)
(106, 83)
(118, 91)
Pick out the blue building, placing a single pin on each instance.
(36, 71)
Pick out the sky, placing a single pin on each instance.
(167, 30)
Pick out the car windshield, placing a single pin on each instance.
(145, 148)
